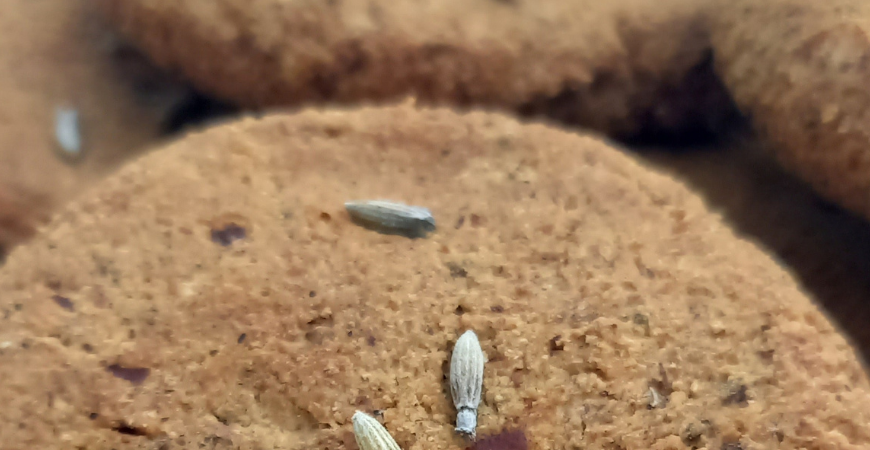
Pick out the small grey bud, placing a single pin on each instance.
(370, 434)
(67, 131)
(466, 381)
(388, 215)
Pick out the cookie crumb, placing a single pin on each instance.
(556, 345)
(659, 389)
(736, 394)
(656, 400)
(693, 434)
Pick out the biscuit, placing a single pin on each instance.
(628, 68)
(800, 69)
(216, 294)
(822, 244)
(57, 54)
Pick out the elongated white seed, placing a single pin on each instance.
(370, 434)
(67, 132)
(466, 381)
(392, 215)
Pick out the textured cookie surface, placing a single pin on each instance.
(217, 295)
(623, 67)
(801, 69)
(55, 53)
(823, 245)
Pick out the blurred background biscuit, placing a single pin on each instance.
(631, 69)
(58, 54)
(801, 70)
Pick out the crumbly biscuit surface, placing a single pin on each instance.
(215, 294)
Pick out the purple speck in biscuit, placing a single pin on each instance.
(64, 302)
(228, 234)
(135, 375)
(506, 440)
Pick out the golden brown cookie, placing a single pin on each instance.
(823, 245)
(626, 68)
(801, 69)
(216, 294)
(56, 54)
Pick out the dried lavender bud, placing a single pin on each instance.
(393, 216)
(67, 132)
(466, 381)
(370, 434)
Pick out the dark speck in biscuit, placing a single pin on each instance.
(505, 440)
(241, 338)
(64, 302)
(135, 375)
(693, 434)
(227, 235)
(477, 221)
(556, 344)
(641, 319)
(128, 430)
(457, 271)
(736, 394)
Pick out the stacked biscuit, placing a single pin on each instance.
(56, 56)
(220, 293)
